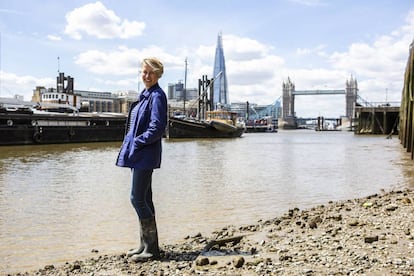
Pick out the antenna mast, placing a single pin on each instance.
(0, 65)
(185, 84)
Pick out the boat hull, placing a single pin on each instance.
(223, 127)
(26, 129)
(179, 128)
(261, 129)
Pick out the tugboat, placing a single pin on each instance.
(219, 123)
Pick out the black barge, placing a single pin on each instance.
(25, 126)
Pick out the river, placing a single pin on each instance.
(60, 202)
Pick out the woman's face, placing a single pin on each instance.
(149, 77)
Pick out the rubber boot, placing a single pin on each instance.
(150, 241)
(141, 245)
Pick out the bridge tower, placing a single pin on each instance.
(351, 93)
(288, 107)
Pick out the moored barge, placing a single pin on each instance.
(25, 126)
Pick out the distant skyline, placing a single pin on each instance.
(318, 44)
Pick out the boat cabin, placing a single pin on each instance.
(223, 116)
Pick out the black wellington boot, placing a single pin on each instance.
(150, 241)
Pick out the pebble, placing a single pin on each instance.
(238, 262)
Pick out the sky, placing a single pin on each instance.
(317, 44)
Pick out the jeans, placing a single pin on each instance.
(141, 193)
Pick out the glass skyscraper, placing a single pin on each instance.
(221, 95)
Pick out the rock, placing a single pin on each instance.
(367, 204)
(391, 207)
(337, 217)
(198, 235)
(371, 239)
(256, 262)
(201, 261)
(314, 222)
(312, 225)
(238, 262)
(76, 266)
(285, 258)
(353, 223)
(49, 267)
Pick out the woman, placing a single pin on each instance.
(141, 151)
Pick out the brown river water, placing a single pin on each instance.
(59, 202)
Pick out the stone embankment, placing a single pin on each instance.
(367, 236)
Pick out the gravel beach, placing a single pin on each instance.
(373, 235)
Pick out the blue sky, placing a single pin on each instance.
(318, 44)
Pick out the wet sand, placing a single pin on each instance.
(373, 235)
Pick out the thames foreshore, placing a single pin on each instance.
(372, 235)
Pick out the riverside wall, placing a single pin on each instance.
(406, 133)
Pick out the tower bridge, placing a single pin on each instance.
(288, 119)
(318, 92)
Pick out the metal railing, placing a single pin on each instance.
(362, 102)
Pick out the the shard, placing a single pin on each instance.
(221, 95)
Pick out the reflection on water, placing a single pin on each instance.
(58, 202)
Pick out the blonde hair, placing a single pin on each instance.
(155, 64)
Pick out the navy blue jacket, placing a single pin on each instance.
(141, 149)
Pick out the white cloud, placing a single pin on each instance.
(303, 51)
(309, 2)
(54, 38)
(407, 30)
(10, 11)
(13, 84)
(97, 21)
(122, 84)
(307, 51)
(242, 48)
(378, 66)
(253, 71)
(124, 61)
